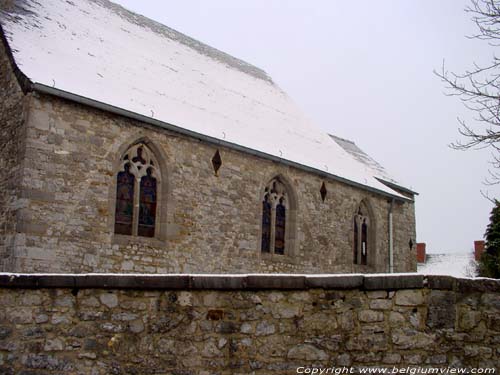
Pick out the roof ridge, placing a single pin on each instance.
(342, 139)
(200, 47)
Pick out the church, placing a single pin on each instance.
(126, 146)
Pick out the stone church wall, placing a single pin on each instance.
(209, 223)
(12, 146)
(246, 325)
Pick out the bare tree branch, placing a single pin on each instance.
(479, 89)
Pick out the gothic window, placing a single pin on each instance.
(361, 236)
(355, 255)
(266, 224)
(279, 241)
(124, 201)
(364, 241)
(275, 215)
(147, 205)
(137, 193)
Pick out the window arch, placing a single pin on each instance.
(137, 191)
(362, 249)
(277, 218)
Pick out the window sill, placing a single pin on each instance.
(124, 240)
(278, 258)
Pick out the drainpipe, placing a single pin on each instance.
(391, 245)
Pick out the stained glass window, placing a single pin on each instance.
(124, 213)
(147, 205)
(275, 211)
(361, 235)
(279, 241)
(364, 242)
(137, 206)
(356, 234)
(266, 225)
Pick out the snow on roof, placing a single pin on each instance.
(457, 265)
(363, 158)
(98, 50)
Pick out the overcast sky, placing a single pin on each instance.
(364, 71)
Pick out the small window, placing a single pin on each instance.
(266, 224)
(275, 218)
(362, 240)
(137, 193)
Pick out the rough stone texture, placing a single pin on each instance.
(12, 148)
(212, 223)
(260, 331)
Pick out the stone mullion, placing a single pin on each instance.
(273, 226)
(135, 220)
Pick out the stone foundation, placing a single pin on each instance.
(246, 324)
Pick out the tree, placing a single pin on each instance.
(489, 264)
(479, 88)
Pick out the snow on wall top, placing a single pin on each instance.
(101, 51)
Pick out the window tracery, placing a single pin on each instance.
(361, 236)
(275, 217)
(137, 193)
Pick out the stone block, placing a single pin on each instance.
(409, 298)
(218, 282)
(391, 358)
(412, 339)
(275, 282)
(377, 294)
(307, 352)
(335, 281)
(380, 304)
(491, 300)
(370, 316)
(468, 319)
(478, 285)
(264, 328)
(440, 282)
(441, 310)
(387, 282)
(109, 299)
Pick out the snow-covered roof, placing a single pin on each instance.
(100, 51)
(370, 164)
(457, 265)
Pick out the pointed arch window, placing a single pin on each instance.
(275, 218)
(362, 238)
(137, 193)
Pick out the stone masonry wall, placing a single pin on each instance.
(12, 140)
(255, 324)
(212, 222)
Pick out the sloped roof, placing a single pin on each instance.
(97, 50)
(371, 166)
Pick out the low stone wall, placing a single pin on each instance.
(246, 324)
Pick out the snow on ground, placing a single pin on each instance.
(458, 265)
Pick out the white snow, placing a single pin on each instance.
(90, 49)
(457, 265)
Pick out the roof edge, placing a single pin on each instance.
(53, 91)
(392, 185)
(24, 82)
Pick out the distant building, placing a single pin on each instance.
(478, 249)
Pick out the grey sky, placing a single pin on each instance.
(364, 71)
